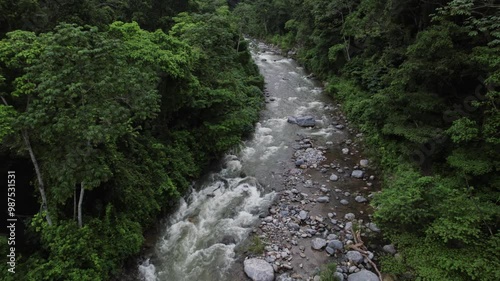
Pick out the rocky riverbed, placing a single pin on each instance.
(322, 213)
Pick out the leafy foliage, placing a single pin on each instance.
(129, 116)
(420, 79)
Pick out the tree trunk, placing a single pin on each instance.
(80, 201)
(41, 185)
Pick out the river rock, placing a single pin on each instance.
(334, 177)
(338, 276)
(357, 174)
(303, 121)
(363, 163)
(345, 150)
(354, 256)
(308, 184)
(299, 162)
(302, 215)
(258, 270)
(318, 243)
(389, 249)
(292, 120)
(349, 216)
(344, 202)
(360, 199)
(284, 277)
(323, 199)
(336, 244)
(373, 227)
(330, 250)
(294, 226)
(363, 275)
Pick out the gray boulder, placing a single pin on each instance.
(284, 277)
(318, 243)
(354, 256)
(389, 249)
(323, 199)
(349, 216)
(330, 250)
(360, 199)
(302, 215)
(258, 270)
(294, 226)
(334, 177)
(303, 121)
(339, 276)
(363, 275)
(357, 174)
(373, 227)
(336, 244)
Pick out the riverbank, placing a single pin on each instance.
(322, 208)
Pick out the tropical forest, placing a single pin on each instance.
(287, 140)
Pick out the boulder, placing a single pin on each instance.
(303, 121)
(336, 244)
(330, 250)
(284, 277)
(389, 249)
(373, 227)
(354, 256)
(302, 215)
(349, 216)
(258, 270)
(293, 226)
(357, 174)
(318, 243)
(339, 276)
(363, 275)
(360, 199)
(323, 199)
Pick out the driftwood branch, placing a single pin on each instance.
(360, 247)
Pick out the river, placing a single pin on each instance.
(198, 241)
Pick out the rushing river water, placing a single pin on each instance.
(199, 240)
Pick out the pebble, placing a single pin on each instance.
(334, 177)
(344, 202)
(323, 199)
